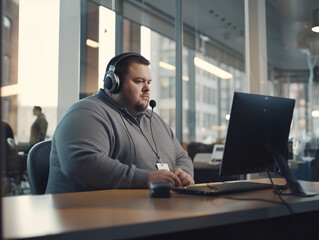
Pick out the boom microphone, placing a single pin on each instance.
(152, 104)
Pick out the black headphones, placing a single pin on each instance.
(111, 79)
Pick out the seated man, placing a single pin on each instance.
(111, 140)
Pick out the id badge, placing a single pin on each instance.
(162, 166)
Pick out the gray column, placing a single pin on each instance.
(256, 46)
(69, 55)
(179, 69)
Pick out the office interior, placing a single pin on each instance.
(201, 52)
(55, 52)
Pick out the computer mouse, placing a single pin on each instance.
(160, 189)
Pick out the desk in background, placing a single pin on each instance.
(114, 214)
(205, 172)
(307, 169)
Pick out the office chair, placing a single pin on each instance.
(38, 166)
(195, 147)
(14, 167)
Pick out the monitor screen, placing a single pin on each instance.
(258, 128)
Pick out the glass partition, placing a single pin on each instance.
(293, 57)
(213, 63)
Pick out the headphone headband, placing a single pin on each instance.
(115, 60)
(111, 80)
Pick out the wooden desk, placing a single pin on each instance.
(118, 214)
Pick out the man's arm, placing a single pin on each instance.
(164, 176)
(184, 177)
(43, 126)
(184, 168)
(183, 161)
(85, 142)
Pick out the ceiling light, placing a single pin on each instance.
(200, 63)
(185, 78)
(315, 114)
(219, 128)
(208, 67)
(91, 43)
(171, 67)
(166, 65)
(302, 102)
(315, 21)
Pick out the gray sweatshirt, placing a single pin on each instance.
(98, 145)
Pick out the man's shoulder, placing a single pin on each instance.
(91, 104)
(85, 109)
(90, 101)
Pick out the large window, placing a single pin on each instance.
(214, 60)
(214, 36)
(293, 50)
(213, 39)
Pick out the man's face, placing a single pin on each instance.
(135, 90)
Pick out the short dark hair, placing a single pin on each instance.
(37, 108)
(122, 66)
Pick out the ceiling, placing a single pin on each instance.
(223, 22)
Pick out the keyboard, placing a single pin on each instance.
(223, 188)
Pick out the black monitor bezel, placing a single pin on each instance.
(256, 122)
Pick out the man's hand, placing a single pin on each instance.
(164, 176)
(184, 177)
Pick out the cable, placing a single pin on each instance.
(292, 193)
(251, 199)
(155, 152)
(159, 160)
(135, 161)
(152, 131)
(278, 192)
(129, 134)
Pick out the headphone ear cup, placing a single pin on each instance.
(111, 82)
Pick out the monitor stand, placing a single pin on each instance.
(292, 182)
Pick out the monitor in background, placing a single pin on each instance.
(217, 153)
(257, 137)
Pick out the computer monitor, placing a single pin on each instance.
(257, 137)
